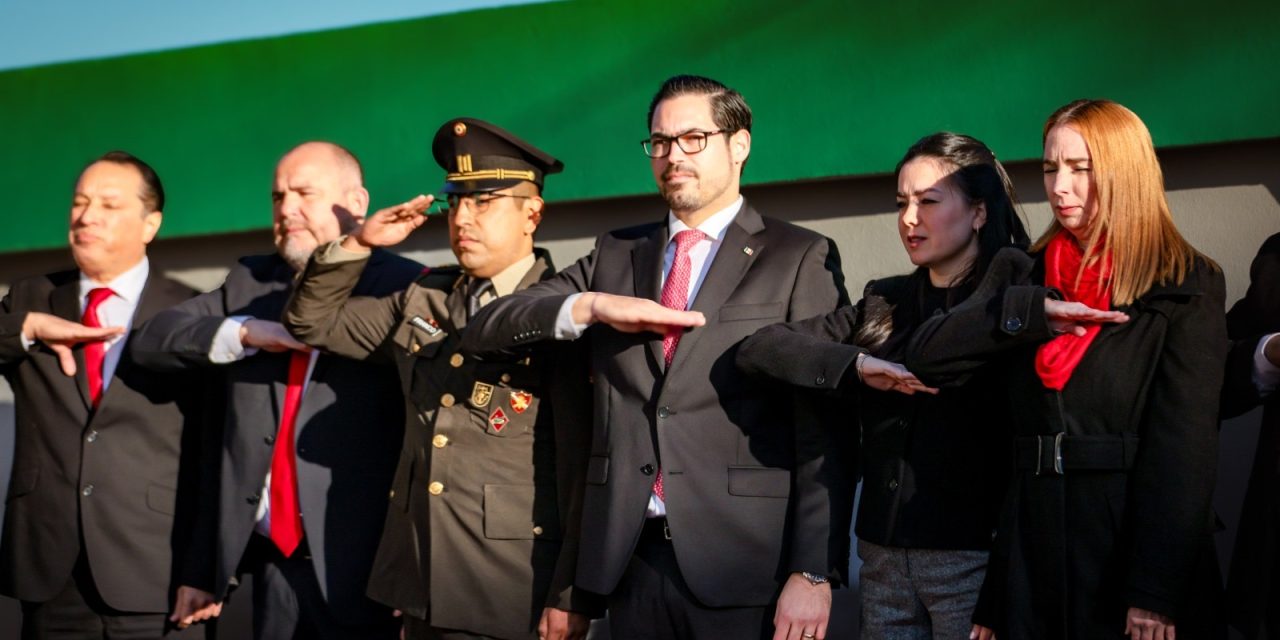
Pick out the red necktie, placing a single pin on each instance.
(286, 516)
(675, 295)
(95, 351)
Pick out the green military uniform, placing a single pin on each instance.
(481, 533)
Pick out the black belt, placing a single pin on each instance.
(1055, 454)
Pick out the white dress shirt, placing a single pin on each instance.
(701, 257)
(1266, 376)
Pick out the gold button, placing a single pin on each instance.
(393, 493)
(435, 488)
(440, 441)
(447, 400)
(415, 347)
(456, 360)
(537, 531)
(506, 378)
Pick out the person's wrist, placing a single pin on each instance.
(815, 579)
(857, 364)
(584, 311)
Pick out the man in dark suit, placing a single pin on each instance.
(310, 440)
(1253, 375)
(104, 475)
(481, 534)
(709, 495)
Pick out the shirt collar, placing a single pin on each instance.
(714, 226)
(127, 285)
(505, 283)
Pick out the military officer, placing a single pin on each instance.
(481, 533)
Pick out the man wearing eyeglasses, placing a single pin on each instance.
(481, 534)
(715, 504)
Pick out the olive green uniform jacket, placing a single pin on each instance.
(482, 529)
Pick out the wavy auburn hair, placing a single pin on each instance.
(1133, 224)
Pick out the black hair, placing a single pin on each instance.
(152, 190)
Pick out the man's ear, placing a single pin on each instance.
(151, 226)
(740, 146)
(535, 205)
(358, 198)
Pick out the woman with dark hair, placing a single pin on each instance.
(934, 467)
(1113, 339)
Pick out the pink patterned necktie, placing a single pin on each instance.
(675, 295)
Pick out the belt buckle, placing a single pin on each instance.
(1056, 468)
(666, 529)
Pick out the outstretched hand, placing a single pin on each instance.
(269, 336)
(61, 335)
(389, 226)
(632, 315)
(890, 376)
(1072, 317)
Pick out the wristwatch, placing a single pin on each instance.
(814, 578)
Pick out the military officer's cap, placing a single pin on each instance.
(479, 156)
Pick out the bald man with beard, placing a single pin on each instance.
(311, 441)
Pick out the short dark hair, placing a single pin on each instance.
(728, 108)
(152, 190)
(981, 178)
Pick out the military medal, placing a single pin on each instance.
(520, 401)
(481, 394)
(429, 326)
(498, 419)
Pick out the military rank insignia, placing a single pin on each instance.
(430, 326)
(481, 394)
(498, 419)
(520, 401)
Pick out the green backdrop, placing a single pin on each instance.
(838, 88)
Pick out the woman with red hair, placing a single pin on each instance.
(1112, 338)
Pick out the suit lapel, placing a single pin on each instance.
(646, 269)
(738, 250)
(65, 303)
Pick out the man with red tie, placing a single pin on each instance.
(105, 461)
(311, 441)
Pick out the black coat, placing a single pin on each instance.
(934, 468)
(118, 483)
(748, 483)
(349, 427)
(1254, 583)
(1128, 523)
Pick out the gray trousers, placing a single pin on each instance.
(918, 594)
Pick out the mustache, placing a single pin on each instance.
(681, 168)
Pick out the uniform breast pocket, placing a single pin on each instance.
(520, 512)
(511, 411)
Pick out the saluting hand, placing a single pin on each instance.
(60, 335)
(1071, 317)
(889, 376)
(389, 226)
(268, 336)
(632, 315)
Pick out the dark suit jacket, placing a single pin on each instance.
(1253, 588)
(121, 478)
(348, 429)
(504, 443)
(746, 473)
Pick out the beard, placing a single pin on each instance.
(296, 253)
(689, 196)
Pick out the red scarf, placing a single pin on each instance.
(1058, 358)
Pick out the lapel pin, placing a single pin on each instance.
(748, 251)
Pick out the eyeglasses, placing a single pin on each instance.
(477, 202)
(690, 143)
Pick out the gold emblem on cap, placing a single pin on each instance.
(459, 129)
(464, 163)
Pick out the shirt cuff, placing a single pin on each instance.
(1266, 376)
(334, 253)
(226, 342)
(566, 328)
